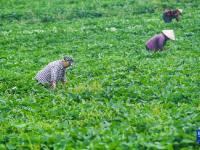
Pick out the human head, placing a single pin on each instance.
(68, 61)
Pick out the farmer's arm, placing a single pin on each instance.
(177, 18)
(177, 15)
(63, 77)
(53, 76)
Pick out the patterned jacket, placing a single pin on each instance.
(53, 72)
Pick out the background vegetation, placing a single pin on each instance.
(119, 96)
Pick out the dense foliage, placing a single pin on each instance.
(118, 95)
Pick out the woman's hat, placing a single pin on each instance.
(169, 33)
(180, 10)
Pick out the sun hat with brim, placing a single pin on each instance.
(169, 33)
(180, 10)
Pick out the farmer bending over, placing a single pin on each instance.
(170, 14)
(158, 41)
(54, 72)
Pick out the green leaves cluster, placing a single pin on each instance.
(119, 96)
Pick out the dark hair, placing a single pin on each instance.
(69, 59)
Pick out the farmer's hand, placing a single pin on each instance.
(64, 83)
(53, 85)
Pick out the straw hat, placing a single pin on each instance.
(180, 10)
(169, 33)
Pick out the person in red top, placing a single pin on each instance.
(170, 14)
(158, 41)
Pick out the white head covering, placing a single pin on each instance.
(180, 10)
(169, 33)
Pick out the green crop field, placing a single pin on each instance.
(118, 95)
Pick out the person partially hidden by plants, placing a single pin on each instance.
(54, 72)
(170, 14)
(157, 42)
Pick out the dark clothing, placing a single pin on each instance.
(157, 42)
(168, 15)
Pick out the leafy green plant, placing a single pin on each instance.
(118, 95)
